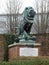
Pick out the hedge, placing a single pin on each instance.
(35, 61)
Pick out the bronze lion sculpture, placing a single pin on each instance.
(26, 24)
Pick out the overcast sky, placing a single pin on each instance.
(25, 4)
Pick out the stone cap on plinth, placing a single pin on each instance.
(24, 44)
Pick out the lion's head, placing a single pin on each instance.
(29, 14)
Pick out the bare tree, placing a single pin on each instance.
(41, 17)
(13, 8)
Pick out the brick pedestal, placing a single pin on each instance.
(14, 49)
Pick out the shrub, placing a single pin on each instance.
(9, 39)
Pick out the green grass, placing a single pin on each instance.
(35, 61)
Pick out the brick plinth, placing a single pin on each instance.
(14, 49)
